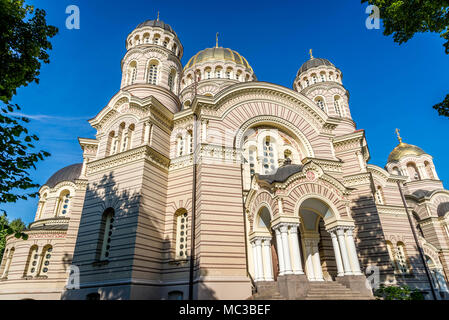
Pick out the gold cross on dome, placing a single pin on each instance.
(158, 16)
(216, 38)
(399, 136)
(311, 54)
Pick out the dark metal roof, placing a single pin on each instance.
(281, 174)
(156, 23)
(315, 62)
(50, 227)
(70, 173)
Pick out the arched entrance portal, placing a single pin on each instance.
(328, 247)
(315, 242)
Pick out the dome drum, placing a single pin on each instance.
(314, 71)
(153, 32)
(217, 64)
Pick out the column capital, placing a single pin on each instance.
(282, 225)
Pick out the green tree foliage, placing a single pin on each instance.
(404, 18)
(7, 228)
(398, 293)
(24, 46)
(24, 41)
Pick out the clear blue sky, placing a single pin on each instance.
(390, 85)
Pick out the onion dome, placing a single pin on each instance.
(157, 24)
(218, 54)
(70, 173)
(313, 63)
(404, 149)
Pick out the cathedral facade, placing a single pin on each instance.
(203, 182)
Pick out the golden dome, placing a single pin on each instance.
(404, 149)
(218, 54)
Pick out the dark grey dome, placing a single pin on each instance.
(156, 23)
(70, 173)
(281, 174)
(315, 62)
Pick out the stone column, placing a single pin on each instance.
(318, 271)
(341, 271)
(353, 252)
(286, 249)
(268, 264)
(309, 262)
(280, 252)
(256, 269)
(344, 251)
(294, 240)
(259, 260)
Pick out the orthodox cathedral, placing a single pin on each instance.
(204, 183)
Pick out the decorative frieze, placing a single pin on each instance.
(357, 179)
(143, 152)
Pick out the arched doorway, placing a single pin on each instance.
(438, 280)
(327, 244)
(265, 259)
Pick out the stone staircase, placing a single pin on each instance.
(326, 290)
(329, 290)
(267, 291)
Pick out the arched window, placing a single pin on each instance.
(8, 255)
(238, 75)
(229, 73)
(165, 43)
(307, 82)
(156, 39)
(323, 76)
(396, 171)
(32, 262)
(314, 78)
(208, 73)
(107, 223)
(171, 79)
(46, 256)
(189, 142)
(337, 106)
(180, 146)
(146, 38)
(181, 218)
(287, 154)
(252, 157)
(413, 171)
(218, 73)
(320, 103)
(391, 253)
(153, 72)
(132, 73)
(429, 170)
(269, 156)
(379, 195)
(63, 203)
(127, 138)
(401, 258)
(331, 76)
(264, 219)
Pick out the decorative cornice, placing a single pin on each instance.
(391, 210)
(140, 153)
(357, 179)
